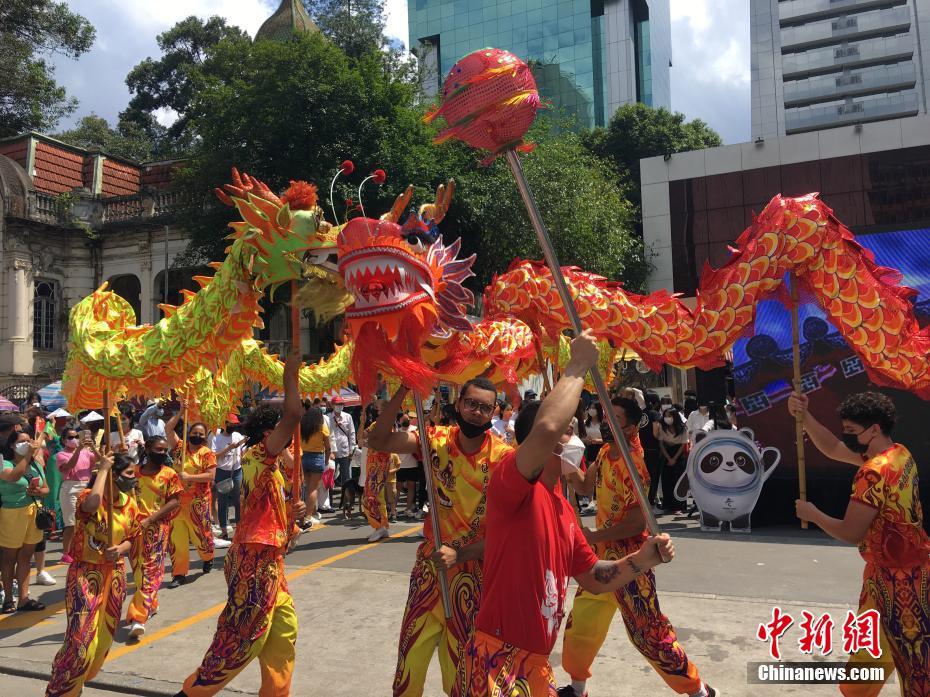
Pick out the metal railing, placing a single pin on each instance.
(55, 209)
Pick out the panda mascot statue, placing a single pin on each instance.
(725, 474)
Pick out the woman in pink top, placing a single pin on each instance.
(75, 462)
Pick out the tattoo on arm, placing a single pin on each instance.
(606, 571)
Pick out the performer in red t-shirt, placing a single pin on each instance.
(533, 545)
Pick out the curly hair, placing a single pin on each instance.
(868, 408)
(262, 418)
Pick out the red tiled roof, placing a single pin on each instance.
(17, 151)
(120, 178)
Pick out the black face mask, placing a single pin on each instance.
(158, 458)
(125, 484)
(196, 440)
(469, 430)
(851, 441)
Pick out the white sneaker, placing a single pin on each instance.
(315, 519)
(136, 630)
(220, 543)
(378, 534)
(45, 579)
(217, 531)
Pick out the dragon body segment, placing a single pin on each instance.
(797, 236)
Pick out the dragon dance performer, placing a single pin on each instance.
(884, 518)
(259, 620)
(374, 499)
(191, 526)
(158, 500)
(533, 546)
(621, 530)
(463, 457)
(96, 584)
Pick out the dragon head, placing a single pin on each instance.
(281, 236)
(406, 284)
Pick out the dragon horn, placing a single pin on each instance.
(400, 205)
(437, 210)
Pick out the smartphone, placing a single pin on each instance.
(35, 482)
(84, 435)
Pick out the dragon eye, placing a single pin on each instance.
(414, 241)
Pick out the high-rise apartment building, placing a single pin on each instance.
(824, 63)
(589, 56)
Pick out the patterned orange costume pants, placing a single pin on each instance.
(492, 668)
(648, 629)
(424, 627)
(190, 527)
(374, 501)
(93, 602)
(259, 621)
(902, 598)
(147, 557)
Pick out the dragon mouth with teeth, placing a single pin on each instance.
(405, 285)
(384, 279)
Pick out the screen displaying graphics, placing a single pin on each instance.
(762, 374)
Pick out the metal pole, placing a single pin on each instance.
(433, 509)
(600, 386)
(798, 419)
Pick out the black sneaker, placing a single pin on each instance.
(177, 581)
(569, 691)
(208, 566)
(711, 692)
(306, 525)
(392, 519)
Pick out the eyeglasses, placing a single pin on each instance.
(480, 407)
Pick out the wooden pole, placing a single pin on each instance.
(558, 281)
(106, 447)
(297, 474)
(798, 419)
(441, 574)
(119, 429)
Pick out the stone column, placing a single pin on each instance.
(20, 310)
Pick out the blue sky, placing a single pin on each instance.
(710, 44)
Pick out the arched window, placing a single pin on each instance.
(45, 302)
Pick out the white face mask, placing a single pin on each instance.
(22, 448)
(572, 452)
(669, 420)
(338, 408)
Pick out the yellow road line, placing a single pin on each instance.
(216, 609)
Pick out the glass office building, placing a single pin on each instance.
(589, 56)
(825, 63)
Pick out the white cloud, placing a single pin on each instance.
(710, 41)
(396, 11)
(711, 73)
(126, 31)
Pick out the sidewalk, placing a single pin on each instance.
(350, 598)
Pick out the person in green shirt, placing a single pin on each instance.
(22, 481)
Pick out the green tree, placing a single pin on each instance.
(294, 110)
(170, 82)
(355, 26)
(30, 99)
(636, 131)
(582, 199)
(95, 132)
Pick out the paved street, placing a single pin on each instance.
(350, 596)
